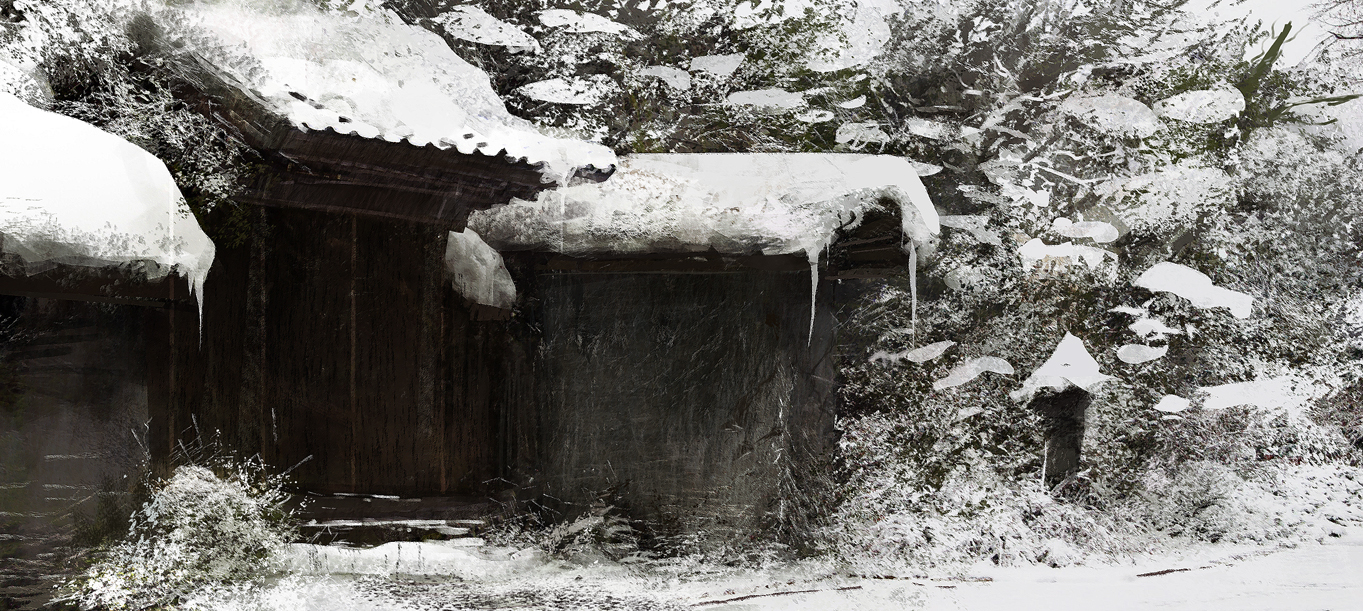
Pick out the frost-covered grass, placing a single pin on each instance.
(199, 529)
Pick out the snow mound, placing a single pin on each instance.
(468, 22)
(1113, 114)
(1099, 231)
(1135, 354)
(1071, 363)
(1202, 106)
(734, 203)
(778, 99)
(584, 23)
(123, 206)
(369, 74)
(1196, 287)
(477, 271)
(719, 65)
(577, 91)
(922, 354)
(969, 370)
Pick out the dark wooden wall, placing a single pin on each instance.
(335, 343)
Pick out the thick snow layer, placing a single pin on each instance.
(1196, 287)
(1071, 363)
(777, 99)
(1282, 393)
(1113, 114)
(477, 271)
(921, 354)
(975, 225)
(734, 203)
(1202, 105)
(468, 22)
(1101, 232)
(577, 91)
(1035, 251)
(969, 370)
(71, 193)
(719, 65)
(1136, 354)
(675, 78)
(1172, 404)
(584, 23)
(370, 74)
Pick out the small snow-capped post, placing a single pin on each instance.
(1059, 391)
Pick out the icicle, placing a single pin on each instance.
(813, 291)
(913, 296)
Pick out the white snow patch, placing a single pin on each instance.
(1071, 363)
(1202, 105)
(18, 79)
(584, 23)
(719, 65)
(477, 271)
(921, 354)
(860, 40)
(577, 91)
(1172, 196)
(1036, 252)
(969, 370)
(1288, 393)
(1172, 404)
(1101, 232)
(779, 99)
(73, 194)
(976, 225)
(1144, 327)
(471, 23)
(1113, 114)
(1136, 354)
(1196, 287)
(372, 75)
(858, 135)
(856, 102)
(926, 128)
(925, 169)
(675, 78)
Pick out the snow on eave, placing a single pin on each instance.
(734, 203)
(371, 75)
(73, 194)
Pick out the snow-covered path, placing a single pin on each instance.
(1311, 577)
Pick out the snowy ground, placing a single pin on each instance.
(1312, 576)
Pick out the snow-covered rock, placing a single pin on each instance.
(860, 134)
(1035, 251)
(675, 78)
(477, 271)
(975, 225)
(1196, 287)
(1172, 404)
(368, 73)
(1202, 105)
(73, 194)
(969, 370)
(468, 22)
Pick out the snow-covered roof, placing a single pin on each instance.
(733, 203)
(73, 194)
(372, 75)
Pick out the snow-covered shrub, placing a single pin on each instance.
(199, 528)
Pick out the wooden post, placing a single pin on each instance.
(1062, 416)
